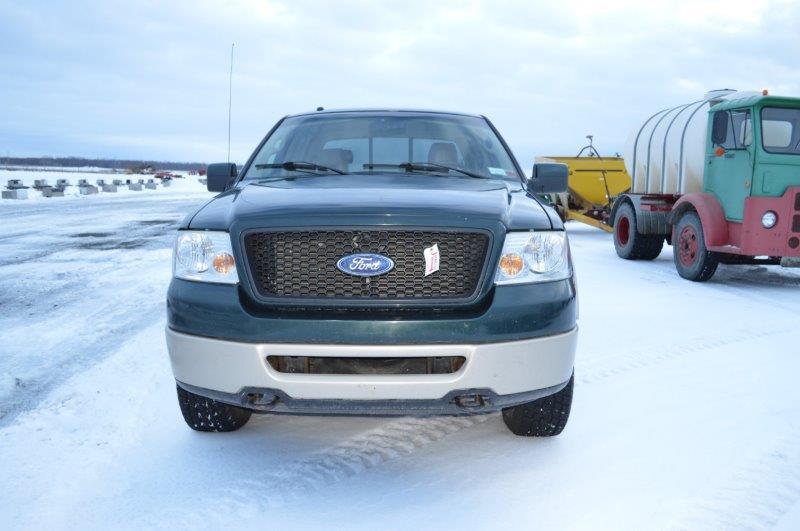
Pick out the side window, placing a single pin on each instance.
(743, 128)
(732, 129)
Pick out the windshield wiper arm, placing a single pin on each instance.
(299, 166)
(424, 166)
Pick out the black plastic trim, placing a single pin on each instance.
(456, 402)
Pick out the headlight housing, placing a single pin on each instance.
(534, 257)
(204, 256)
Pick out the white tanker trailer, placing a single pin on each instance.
(666, 153)
(718, 178)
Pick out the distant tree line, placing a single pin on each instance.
(116, 164)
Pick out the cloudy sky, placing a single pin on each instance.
(150, 79)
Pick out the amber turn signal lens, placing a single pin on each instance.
(511, 264)
(719, 151)
(223, 263)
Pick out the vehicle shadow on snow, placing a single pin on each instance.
(770, 276)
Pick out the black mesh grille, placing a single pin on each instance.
(342, 365)
(796, 223)
(302, 264)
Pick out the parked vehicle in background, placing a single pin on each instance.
(594, 183)
(375, 263)
(718, 178)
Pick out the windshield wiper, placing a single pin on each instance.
(299, 166)
(424, 166)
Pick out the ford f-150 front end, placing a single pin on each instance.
(375, 263)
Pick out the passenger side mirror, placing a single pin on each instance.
(220, 175)
(719, 128)
(548, 178)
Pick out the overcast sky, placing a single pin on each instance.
(150, 79)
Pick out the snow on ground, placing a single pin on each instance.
(685, 412)
(77, 275)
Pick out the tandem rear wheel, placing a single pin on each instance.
(628, 242)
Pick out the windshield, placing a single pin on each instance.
(367, 143)
(780, 130)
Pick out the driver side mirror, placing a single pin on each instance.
(548, 178)
(220, 175)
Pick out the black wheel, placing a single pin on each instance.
(544, 417)
(692, 258)
(628, 243)
(205, 414)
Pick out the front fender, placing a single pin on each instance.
(712, 216)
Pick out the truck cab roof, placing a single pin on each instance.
(754, 99)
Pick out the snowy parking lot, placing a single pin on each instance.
(685, 413)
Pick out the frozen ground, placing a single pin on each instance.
(685, 412)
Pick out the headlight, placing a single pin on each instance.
(769, 219)
(534, 257)
(205, 256)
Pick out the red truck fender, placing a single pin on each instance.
(715, 227)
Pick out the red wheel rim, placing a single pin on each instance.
(688, 246)
(623, 231)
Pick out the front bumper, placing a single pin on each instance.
(494, 375)
(782, 240)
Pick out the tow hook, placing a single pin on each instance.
(473, 401)
(261, 401)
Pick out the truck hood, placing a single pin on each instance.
(398, 199)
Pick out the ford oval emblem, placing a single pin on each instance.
(365, 264)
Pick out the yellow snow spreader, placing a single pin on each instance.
(594, 182)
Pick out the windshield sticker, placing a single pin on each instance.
(497, 171)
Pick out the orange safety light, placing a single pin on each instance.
(719, 151)
(765, 92)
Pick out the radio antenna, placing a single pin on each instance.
(230, 99)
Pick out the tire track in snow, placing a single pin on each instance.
(395, 439)
(610, 366)
(756, 495)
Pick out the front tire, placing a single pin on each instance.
(628, 243)
(692, 258)
(545, 417)
(205, 414)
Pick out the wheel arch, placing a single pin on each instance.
(712, 216)
(648, 221)
(621, 200)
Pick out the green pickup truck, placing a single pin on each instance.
(375, 262)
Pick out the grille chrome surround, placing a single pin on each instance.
(298, 266)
